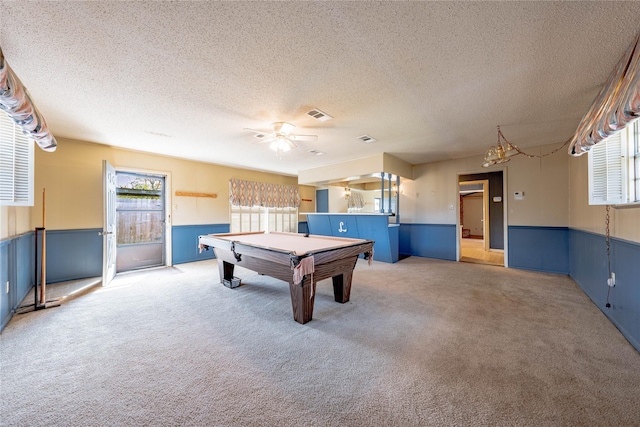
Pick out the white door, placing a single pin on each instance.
(109, 223)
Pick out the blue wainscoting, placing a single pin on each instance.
(428, 240)
(539, 248)
(184, 241)
(16, 267)
(73, 254)
(7, 264)
(303, 227)
(588, 268)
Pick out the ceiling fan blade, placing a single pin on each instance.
(264, 132)
(303, 137)
(266, 139)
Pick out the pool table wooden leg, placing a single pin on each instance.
(225, 269)
(302, 300)
(342, 286)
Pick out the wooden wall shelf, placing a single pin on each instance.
(192, 194)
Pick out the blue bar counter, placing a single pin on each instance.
(369, 226)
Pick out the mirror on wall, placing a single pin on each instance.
(370, 194)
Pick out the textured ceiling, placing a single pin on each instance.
(428, 80)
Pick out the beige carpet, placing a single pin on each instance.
(421, 343)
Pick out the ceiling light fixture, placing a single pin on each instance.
(504, 150)
(501, 152)
(280, 145)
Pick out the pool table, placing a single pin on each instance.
(299, 259)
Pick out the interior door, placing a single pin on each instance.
(486, 222)
(109, 223)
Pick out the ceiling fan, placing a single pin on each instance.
(280, 137)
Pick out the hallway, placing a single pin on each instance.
(472, 250)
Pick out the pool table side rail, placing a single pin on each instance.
(283, 257)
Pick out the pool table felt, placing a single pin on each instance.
(294, 243)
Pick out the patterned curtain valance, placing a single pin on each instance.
(250, 193)
(356, 201)
(616, 105)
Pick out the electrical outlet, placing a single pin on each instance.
(611, 281)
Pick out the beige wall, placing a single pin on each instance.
(14, 220)
(624, 223)
(72, 176)
(337, 201)
(472, 214)
(364, 166)
(545, 185)
(432, 197)
(555, 190)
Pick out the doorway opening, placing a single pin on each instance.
(140, 221)
(481, 219)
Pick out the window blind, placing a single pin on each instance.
(16, 165)
(607, 184)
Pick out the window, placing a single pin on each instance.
(614, 168)
(259, 206)
(245, 219)
(16, 165)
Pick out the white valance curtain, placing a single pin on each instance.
(617, 104)
(250, 193)
(16, 102)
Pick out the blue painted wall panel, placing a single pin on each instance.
(322, 201)
(6, 265)
(394, 242)
(539, 248)
(73, 254)
(184, 241)
(303, 227)
(589, 268)
(344, 226)
(404, 237)
(24, 267)
(16, 266)
(319, 224)
(429, 240)
(376, 228)
(370, 227)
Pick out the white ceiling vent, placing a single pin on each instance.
(366, 139)
(319, 115)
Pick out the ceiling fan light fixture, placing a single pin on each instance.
(280, 145)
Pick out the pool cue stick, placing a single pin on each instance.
(43, 268)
